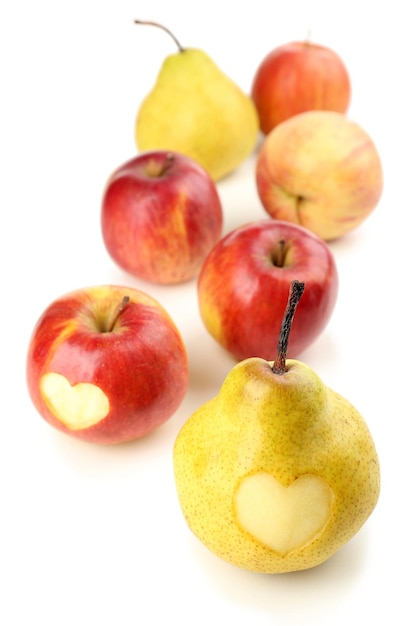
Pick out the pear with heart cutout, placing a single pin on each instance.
(278, 471)
(196, 109)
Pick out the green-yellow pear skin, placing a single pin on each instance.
(196, 109)
(278, 471)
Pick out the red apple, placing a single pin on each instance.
(321, 170)
(296, 77)
(106, 364)
(244, 283)
(161, 214)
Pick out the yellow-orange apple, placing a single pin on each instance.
(106, 364)
(296, 77)
(321, 170)
(244, 283)
(161, 214)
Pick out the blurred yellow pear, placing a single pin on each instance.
(196, 109)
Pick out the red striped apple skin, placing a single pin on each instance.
(131, 354)
(244, 283)
(160, 216)
(321, 170)
(296, 77)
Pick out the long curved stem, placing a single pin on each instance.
(146, 23)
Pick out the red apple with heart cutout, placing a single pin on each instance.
(296, 77)
(160, 216)
(244, 282)
(106, 364)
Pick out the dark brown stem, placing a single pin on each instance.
(279, 253)
(167, 164)
(296, 291)
(116, 315)
(146, 23)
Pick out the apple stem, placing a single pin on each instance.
(280, 252)
(120, 308)
(167, 164)
(146, 23)
(296, 291)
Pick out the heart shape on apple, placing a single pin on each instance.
(283, 518)
(77, 406)
(106, 364)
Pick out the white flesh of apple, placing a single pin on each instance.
(78, 406)
(283, 518)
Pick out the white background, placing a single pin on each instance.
(94, 535)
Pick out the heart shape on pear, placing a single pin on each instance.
(283, 518)
(77, 406)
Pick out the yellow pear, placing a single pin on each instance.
(278, 471)
(196, 109)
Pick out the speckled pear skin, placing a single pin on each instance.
(288, 426)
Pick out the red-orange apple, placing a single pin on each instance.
(161, 214)
(244, 283)
(321, 170)
(296, 77)
(106, 364)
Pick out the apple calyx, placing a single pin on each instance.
(158, 25)
(296, 291)
(109, 327)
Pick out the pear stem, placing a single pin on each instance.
(296, 291)
(116, 315)
(146, 23)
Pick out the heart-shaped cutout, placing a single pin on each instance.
(77, 406)
(283, 518)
